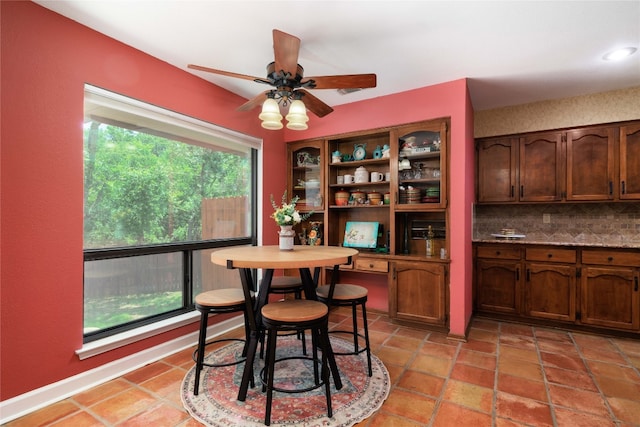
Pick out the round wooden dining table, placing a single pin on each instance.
(270, 258)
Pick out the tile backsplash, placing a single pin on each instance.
(609, 224)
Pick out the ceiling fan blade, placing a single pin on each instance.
(315, 105)
(347, 81)
(286, 48)
(254, 102)
(224, 73)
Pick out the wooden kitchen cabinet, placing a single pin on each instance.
(418, 292)
(609, 289)
(590, 164)
(550, 283)
(541, 167)
(630, 162)
(497, 170)
(595, 163)
(498, 279)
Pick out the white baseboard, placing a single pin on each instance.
(26, 403)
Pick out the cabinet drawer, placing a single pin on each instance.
(551, 255)
(632, 259)
(365, 264)
(498, 252)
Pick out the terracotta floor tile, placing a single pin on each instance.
(382, 326)
(159, 415)
(526, 411)
(558, 347)
(581, 400)
(440, 338)
(123, 405)
(438, 350)
(575, 379)
(395, 372)
(404, 343)
(482, 335)
(585, 341)
(503, 422)
(571, 363)
(565, 417)
(473, 375)
(83, 419)
(526, 354)
(552, 335)
(626, 410)
(520, 368)
(191, 422)
(603, 355)
(164, 383)
(516, 329)
(418, 334)
(520, 341)
(450, 414)
(477, 358)
(147, 372)
(614, 387)
(420, 382)
(394, 356)
(383, 419)
(629, 347)
(482, 346)
(469, 395)
(182, 358)
(522, 387)
(612, 370)
(101, 392)
(46, 415)
(434, 365)
(410, 405)
(485, 324)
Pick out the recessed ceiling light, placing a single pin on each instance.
(618, 54)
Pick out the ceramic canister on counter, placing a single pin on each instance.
(374, 198)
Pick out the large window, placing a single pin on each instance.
(161, 191)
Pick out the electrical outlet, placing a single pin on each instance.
(546, 218)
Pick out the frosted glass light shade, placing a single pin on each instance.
(270, 115)
(297, 118)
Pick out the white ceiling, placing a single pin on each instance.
(513, 52)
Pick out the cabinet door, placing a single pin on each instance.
(590, 154)
(418, 292)
(498, 286)
(550, 291)
(497, 167)
(541, 167)
(610, 297)
(630, 162)
(306, 177)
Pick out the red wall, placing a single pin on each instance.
(46, 59)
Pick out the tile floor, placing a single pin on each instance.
(505, 375)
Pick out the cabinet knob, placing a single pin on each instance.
(550, 255)
(370, 265)
(497, 252)
(610, 259)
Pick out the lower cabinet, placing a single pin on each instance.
(417, 292)
(609, 288)
(580, 286)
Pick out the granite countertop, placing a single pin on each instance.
(593, 241)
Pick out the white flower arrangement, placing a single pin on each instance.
(286, 213)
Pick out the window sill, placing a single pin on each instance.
(104, 345)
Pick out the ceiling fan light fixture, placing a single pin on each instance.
(270, 115)
(297, 118)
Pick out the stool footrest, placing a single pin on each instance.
(194, 356)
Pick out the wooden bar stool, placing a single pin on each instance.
(218, 301)
(284, 285)
(346, 295)
(296, 316)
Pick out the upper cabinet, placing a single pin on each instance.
(421, 166)
(306, 179)
(599, 163)
(630, 162)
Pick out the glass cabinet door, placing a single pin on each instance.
(306, 178)
(422, 168)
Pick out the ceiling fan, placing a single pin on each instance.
(287, 77)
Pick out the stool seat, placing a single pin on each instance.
(280, 283)
(342, 292)
(220, 298)
(294, 311)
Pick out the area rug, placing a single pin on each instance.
(216, 403)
